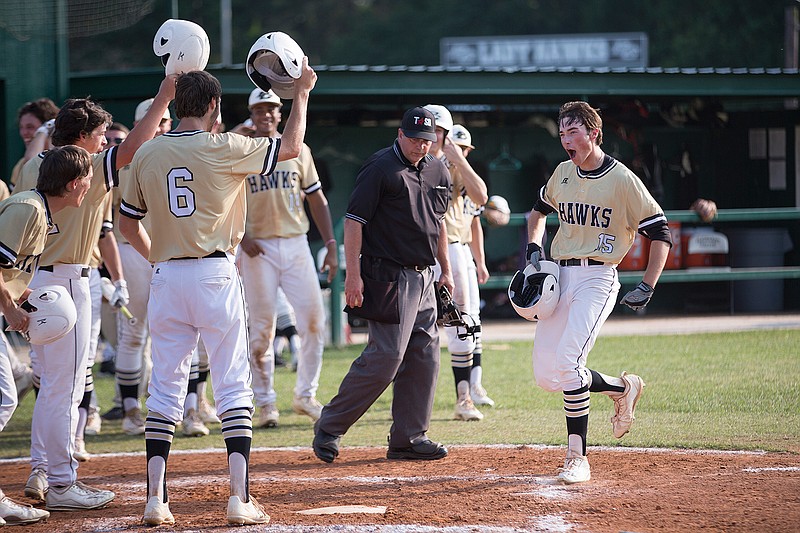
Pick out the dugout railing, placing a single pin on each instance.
(706, 274)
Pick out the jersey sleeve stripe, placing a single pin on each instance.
(272, 157)
(655, 219)
(110, 168)
(313, 188)
(356, 218)
(7, 256)
(131, 211)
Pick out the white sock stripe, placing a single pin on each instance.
(237, 431)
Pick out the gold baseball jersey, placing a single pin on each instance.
(275, 201)
(124, 175)
(454, 218)
(471, 210)
(4, 192)
(75, 231)
(16, 172)
(192, 184)
(106, 227)
(25, 220)
(599, 212)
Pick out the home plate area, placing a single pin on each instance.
(488, 488)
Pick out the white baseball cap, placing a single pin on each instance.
(444, 119)
(260, 96)
(144, 107)
(461, 136)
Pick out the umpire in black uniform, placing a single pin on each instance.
(393, 230)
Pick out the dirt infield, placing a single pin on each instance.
(500, 488)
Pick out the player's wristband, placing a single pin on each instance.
(329, 241)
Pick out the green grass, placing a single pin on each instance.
(715, 391)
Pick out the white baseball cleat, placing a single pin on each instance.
(36, 486)
(157, 513)
(80, 453)
(132, 422)
(479, 395)
(16, 514)
(268, 416)
(307, 405)
(625, 404)
(94, 424)
(206, 411)
(465, 409)
(576, 470)
(77, 497)
(193, 426)
(240, 513)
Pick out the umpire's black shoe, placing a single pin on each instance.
(426, 450)
(326, 446)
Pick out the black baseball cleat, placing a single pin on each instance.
(115, 413)
(326, 446)
(426, 450)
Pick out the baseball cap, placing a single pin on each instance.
(461, 136)
(144, 107)
(260, 96)
(419, 123)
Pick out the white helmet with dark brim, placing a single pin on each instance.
(275, 60)
(534, 293)
(51, 312)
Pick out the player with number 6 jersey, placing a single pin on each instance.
(192, 183)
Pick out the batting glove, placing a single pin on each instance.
(120, 296)
(534, 253)
(639, 297)
(47, 127)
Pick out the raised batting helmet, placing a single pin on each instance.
(275, 60)
(534, 293)
(496, 211)
(182, 46)
(461, 136)
(444, 119)
(52, 314)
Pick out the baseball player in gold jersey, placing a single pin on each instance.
(477, 273)
(192, 184)
(65, 261)
(275, 254)
(466, 183)
(25, 220)
(600, 205)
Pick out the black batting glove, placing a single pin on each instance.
(534, 253)
(639, 297)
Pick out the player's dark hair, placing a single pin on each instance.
(584, 114)
(118, 126)
(194, 91)
(61, 165)
(76, 116)
(44, 109)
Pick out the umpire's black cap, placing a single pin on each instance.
(419, 123)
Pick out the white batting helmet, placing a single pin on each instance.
(182, 46)
(496, 211)
(461, 136)
(53, 314)
(534, 293)
(275, 60)
(444, 119)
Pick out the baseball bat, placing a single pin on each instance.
(108, 292)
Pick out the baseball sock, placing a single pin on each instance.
(158, 434)
(476, 373)
(576, 408)
(128, 383)
(603, 383)
(83, 413)
(191, 391)
(237, 430)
